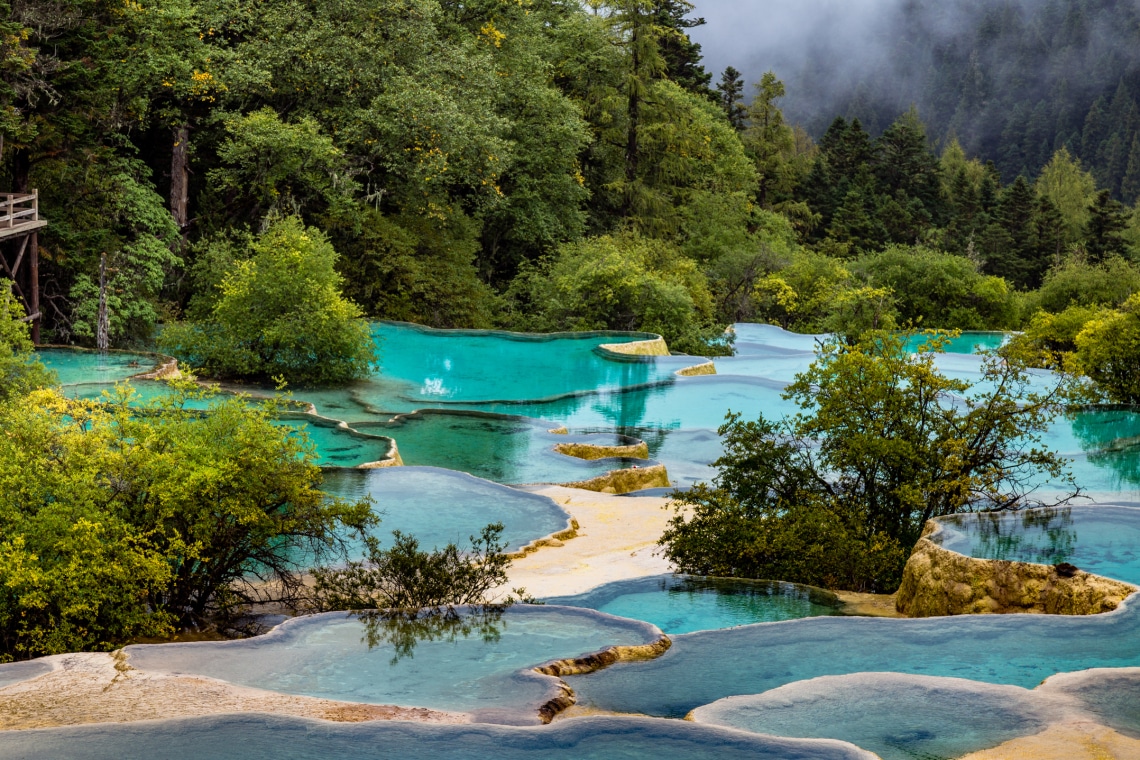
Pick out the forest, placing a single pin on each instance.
(524, 164)
(1013, 81)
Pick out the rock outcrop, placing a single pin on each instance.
(937, 581)
(624, 481)
(593, 451)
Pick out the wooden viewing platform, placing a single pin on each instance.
(20, 224)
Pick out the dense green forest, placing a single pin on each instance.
(1014, 81)
(526, 164)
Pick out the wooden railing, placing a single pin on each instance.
(16, 210)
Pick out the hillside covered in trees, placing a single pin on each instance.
(1014, 81)
(541, 165)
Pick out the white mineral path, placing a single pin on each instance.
(616, 541)
(104, 688)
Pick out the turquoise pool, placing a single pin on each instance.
(768, 658)
(680, 604)
(441, 506)
(898, 717)
(73, 366)
(480, 665)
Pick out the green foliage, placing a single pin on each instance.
(1070, 188)
(772, 145)
(1108, 351)
(619, 282)
(1079, 283)
(409, 580)
(276, 167)
(112, 208)
(121, 520)
(280, 314)
(1104, 232)
(413, 269)
(20, 370)
(938, 289)
(1052, 338)
(837, 493)
(815, 294)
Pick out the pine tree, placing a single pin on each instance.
(731, 89)
(1130, 184)
(1011, 250)
(905, 165)
(769, 141)
(1108, 219)
(1052, 236)
(682, 56)
(856, 221)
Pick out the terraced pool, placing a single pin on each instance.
(747, 658)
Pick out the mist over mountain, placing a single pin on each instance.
(1013, 80)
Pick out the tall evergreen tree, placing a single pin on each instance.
(682, 56)
(731, 93)
(1108, 219)
(1130, 183)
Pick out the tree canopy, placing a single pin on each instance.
(837, 494)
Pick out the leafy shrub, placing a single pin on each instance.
(618, 282)
(1078, 283)
(406, 579)
(939, 290)
(279, 314)
(20, 370)
(1108, 351)
(119, 520)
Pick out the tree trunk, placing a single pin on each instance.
(180, 178)
(631, 140)
(21, 168)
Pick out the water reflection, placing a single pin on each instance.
(402, 631)
(1045, 536)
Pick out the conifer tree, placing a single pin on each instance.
(731, 92)
(1108, 219)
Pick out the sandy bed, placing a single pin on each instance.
(872, 605)
(617, 540)
(1076, 741)
(104, 688)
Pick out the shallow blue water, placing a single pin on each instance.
(14, 672)
(898, 717)
(74, 366)
(481, 665)
(1102, 539)
(264, 737)
(441, 506)
(336, 446)
(1019, 650)
(503, 449)
(684, 604)
(1112, 696)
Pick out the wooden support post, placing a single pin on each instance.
(34, 286)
